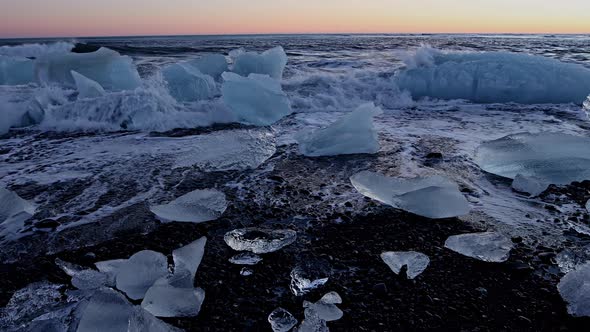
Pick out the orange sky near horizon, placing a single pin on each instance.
(75, 18)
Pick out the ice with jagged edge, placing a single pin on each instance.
(574, 288)
(245, 258)
(586, 106)
(86, 87)
(14, 211)
(140, 272)
(257, 99)
(187, 84)
(16, 70)
(416, 262)
(551, 158)
(281, 320)
(258, 240)
(529, 185)
(569, 259)
(320, 312)
(433, 197)
(309, 275)
(196, 207)
(108, 68)
(493, 77)
(85, 279)
(211, 64)
(354, 133)
(271, 62)
(488, 246)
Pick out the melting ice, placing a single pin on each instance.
(488, 246)
(415, 262)
(196, 207)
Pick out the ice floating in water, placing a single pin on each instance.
(139, 273)
(188, 84)
(309, 275)
(432, 197)
(354, 133)
(574, 288)
(416, 262)
(256, 99)
(488, 246)
(87, 88)
(271, 63)
(281, 320)
(14, 211)
(550, 158)
(245, 258)
(213, 65)
(196, 207)
(494, 77)
(16, 70)
(529, 185)
(107, 67)
(259, 241)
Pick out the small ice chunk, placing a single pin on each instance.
(416, 262)
(326, 308)
(488, 246)
(139, 273)
(433, 197)
(588, 205)
(574, 288)
(189, 258)
(16, 70)
(30, 302)
(569, 259)
(14, 211)
(309, 275)
(110, 268)
(586, 106)
(197, 206)
(258, 240)
(188, 84)
(529, 185)
(87, 88)
(164, 300)
(212, 64)
(245, 258)
(552, 158)
(271, 62)
(281, 320)
(354, 133)
(246, 272)
(312, 323)
(257, 99)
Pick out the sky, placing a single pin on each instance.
(81, 18)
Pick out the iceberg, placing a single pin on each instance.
(529, 185)
(86, 87)
(434, 197)
(212, 64)
(281, 320)
(108, 68)
(550, 158)
(16, 70)
(487, 246)
(259, 241)
(257, 99)
(354, 133)
(188, 84)
(196, 207)
(271, 62)
(415, 262)
(494, 77)
(140, 272)
(574, 288)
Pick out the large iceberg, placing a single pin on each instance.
(196, 207)
(188, 84)
(487, 246)
(549, 158)
(15, 70)
(86, 87)
(107, 67)
(574, 288)
(354, 133)
(271, 63)
(256, 99)
(433, 197)
(212, 64)
(494, 77)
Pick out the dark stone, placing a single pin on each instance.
(434, 155)
(85, 48)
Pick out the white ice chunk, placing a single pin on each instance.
(312, 323)
(188, 258)
(569, 259)
(110, 268)
(433, 197)
(487, 247)
(30, 302)
(354, 133)
(326, 308)
(188, 84)
(416, 262)
(551, 158)
(139, 273)
(256, 99)
(307, 277)
(246, 272)
(14, 211)
(87, 88)
(586, 106)
(574, 288)
(196, 207)
(212, 64)
(16, 70)
(281, 320)
(107, 67)
(271, 62)
(495, 77)
(245, 258)
(83, 278)
(165, 300)
(529, 185)
(588, 205)
(258, 240)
